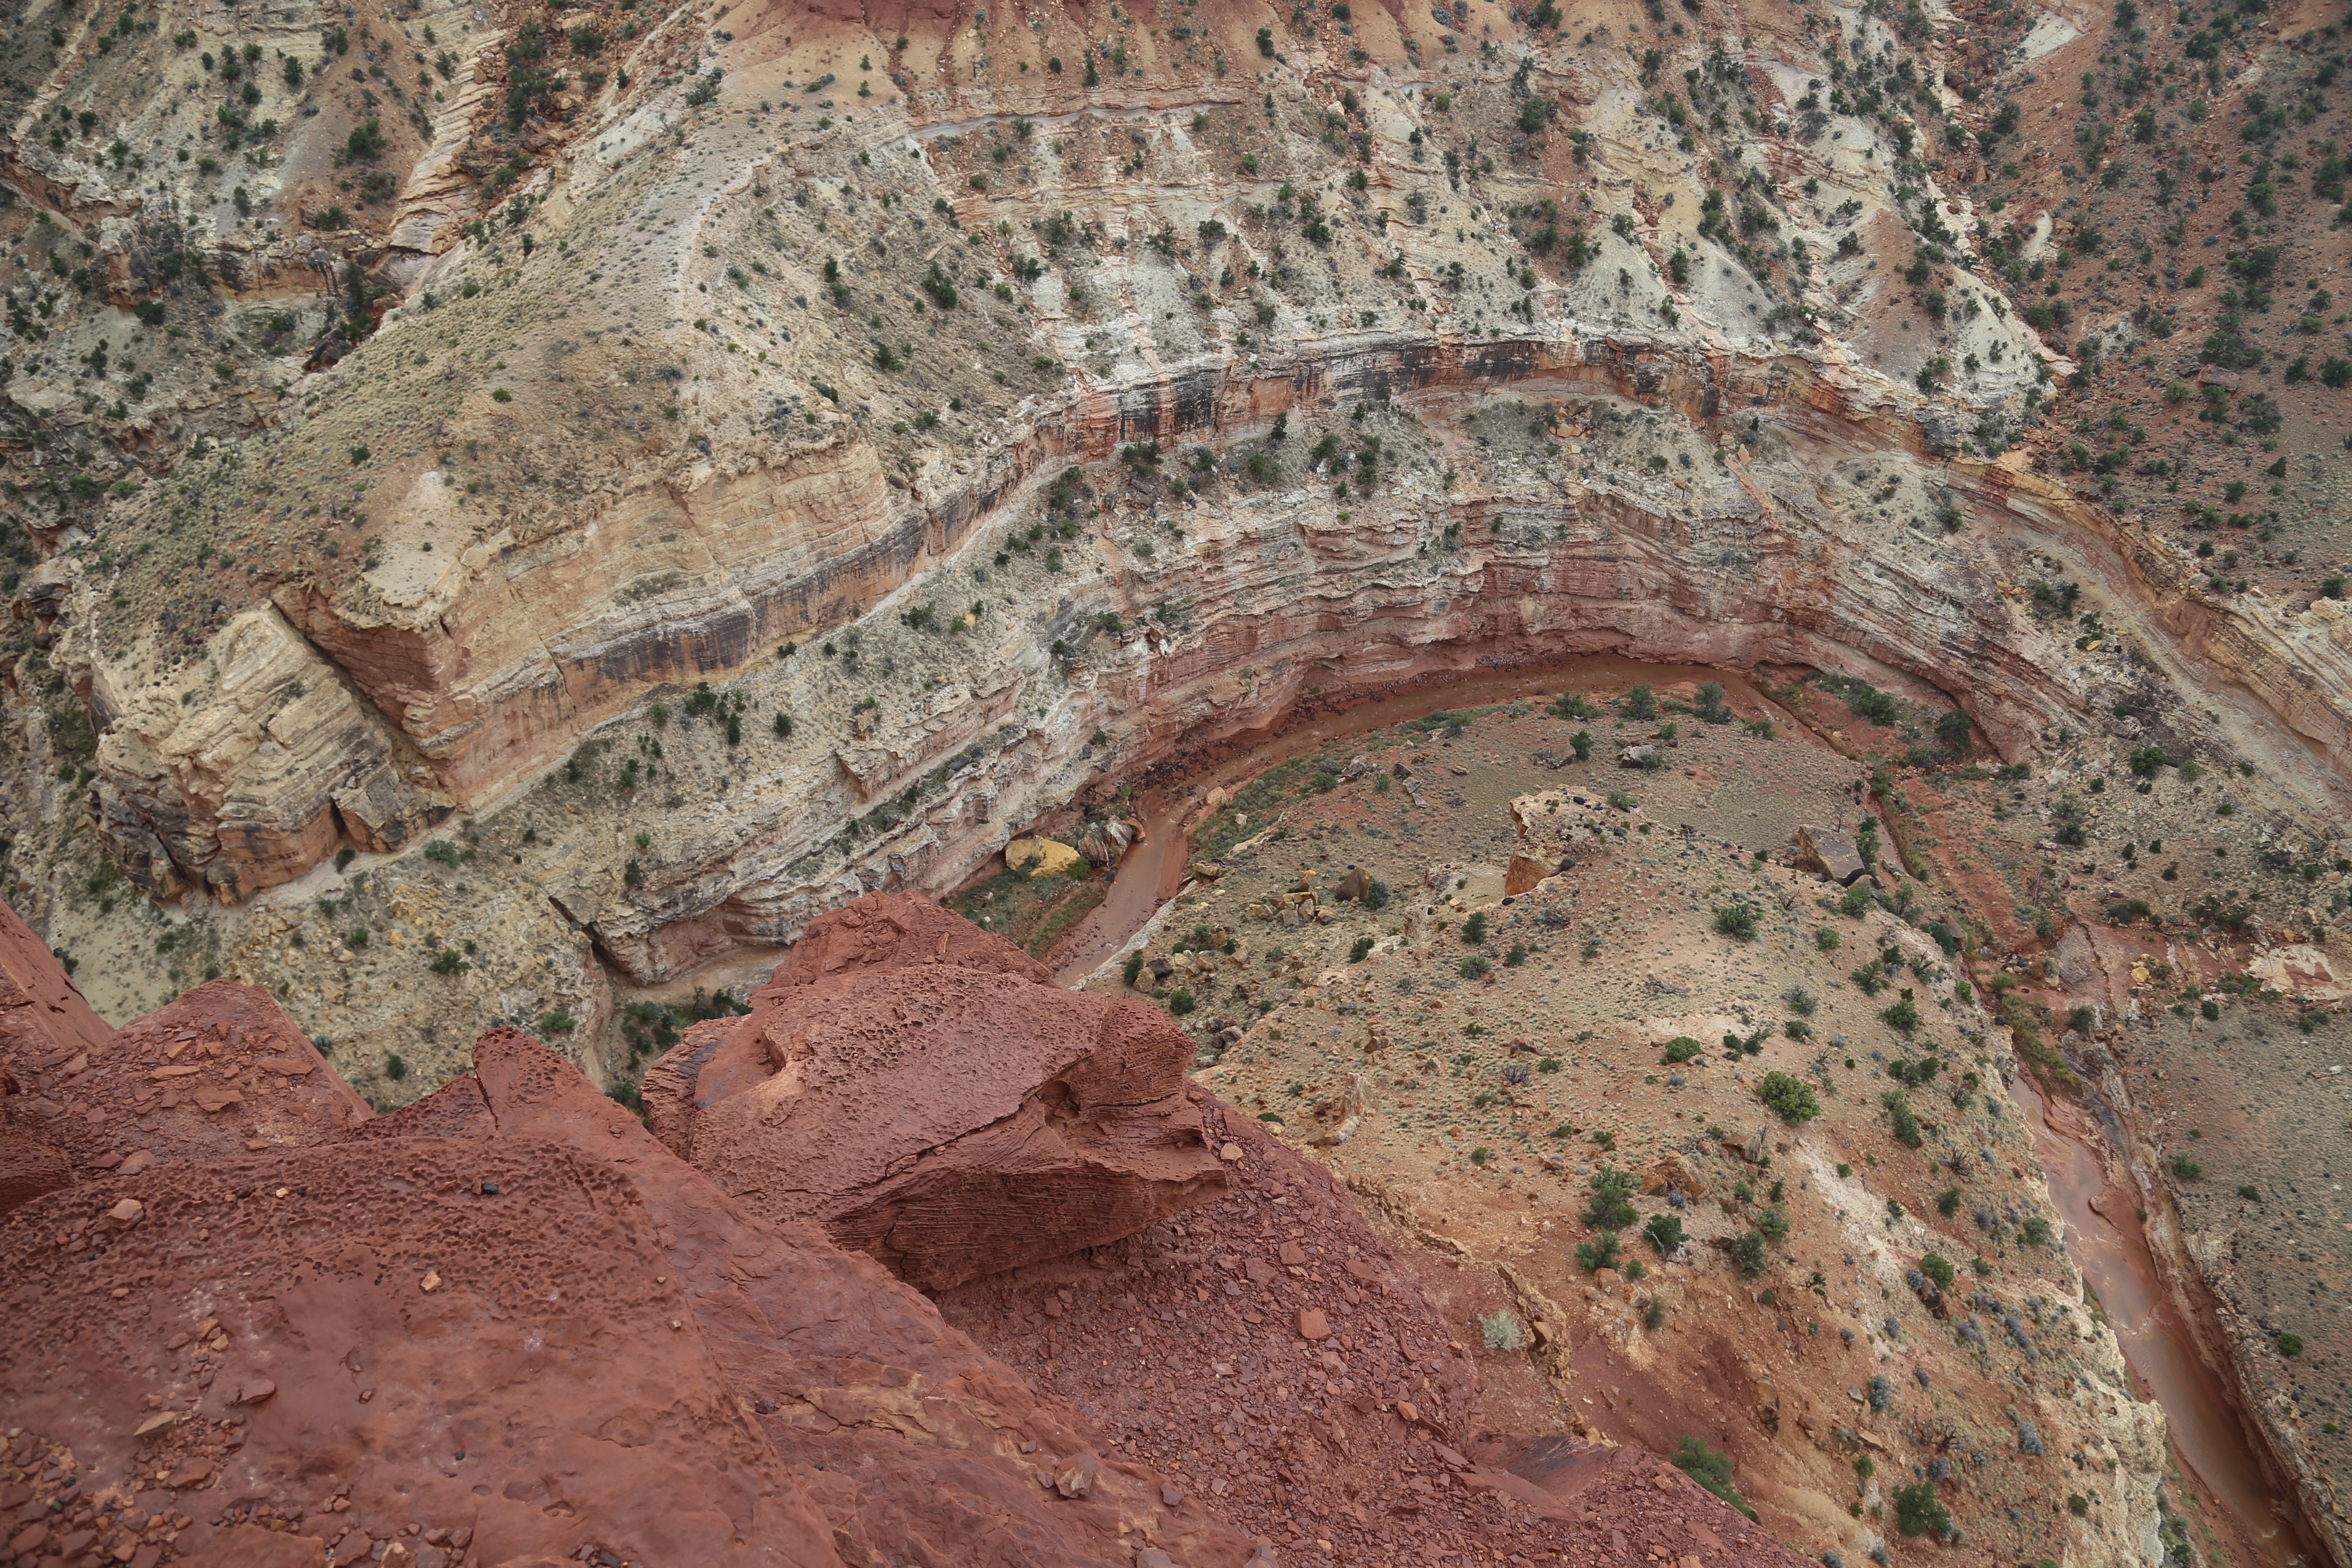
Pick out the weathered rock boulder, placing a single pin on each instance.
(1521, 875)
(923, 1090)
(1040, 857)
(1831, 853)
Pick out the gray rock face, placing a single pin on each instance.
(1832, 853)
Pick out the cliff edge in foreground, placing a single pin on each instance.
(258, 1323)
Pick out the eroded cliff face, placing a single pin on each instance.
(696, 468)
(1190, 444)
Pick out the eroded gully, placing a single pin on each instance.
(2210, 1437)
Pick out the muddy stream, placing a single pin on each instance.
(2209, 1437)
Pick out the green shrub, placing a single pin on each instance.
(1501, 1331)
(1917, 1512)
(1939, 1267)
(2290, 1344)
(1666, 1234)
(1773, 1222)
(1601, 1252)
(1904, 1016)
(1748, 1253)
(1475, 967)
(1642, 702)
(1710, 1469)
(1681, 1048)
(1361, 951)
(1855, 902)
(1133, 967)
(1792, 1098)
(557, 1021)
(1474, 929)
(2187, 1169)
(1898, 1111)
(1611, 1208)
(1736, 921)
(1827, 939)
(395, 1066)
(1180, 1002)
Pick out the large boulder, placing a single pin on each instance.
(923, 1090)
(1043, 857)
(1831, 853)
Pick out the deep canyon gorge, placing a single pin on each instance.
(533, 529)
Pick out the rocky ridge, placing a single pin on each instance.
(787, 1400)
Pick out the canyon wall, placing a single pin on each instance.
(367, 716)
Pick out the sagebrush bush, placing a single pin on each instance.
(1501, 1331)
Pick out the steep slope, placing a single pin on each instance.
(505, 1326)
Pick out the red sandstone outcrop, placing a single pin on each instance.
(499, 1328)
(41, 1009)
(923, 1090)
(220, 1071)
(46, 1027)
(506, 1327)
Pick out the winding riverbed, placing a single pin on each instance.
(2209, 1437)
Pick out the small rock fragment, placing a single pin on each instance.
(1074, 1477)
(1313, 1324)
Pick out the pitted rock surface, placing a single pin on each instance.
(925, 1092)
(222, 1070)
(507, 1326)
